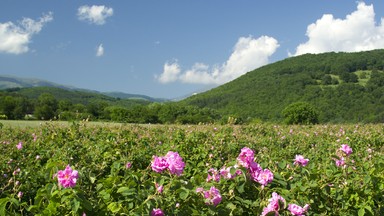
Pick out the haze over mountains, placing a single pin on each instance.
(9, 82)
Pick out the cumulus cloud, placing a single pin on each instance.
(248, 54)
(95, 14)
(100, 50)
(357, 32)
(15, 38)
(170, 73)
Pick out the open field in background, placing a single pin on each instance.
(24, 124)
(116, 175)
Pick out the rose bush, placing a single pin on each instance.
(82, 169)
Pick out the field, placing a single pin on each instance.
(83, 168)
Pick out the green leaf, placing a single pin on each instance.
(231, 206)
(184, 194)
(240, 188)
(369, 209)
(114, 207)
(3, 204)
(361, 212)
(126, 191)
(75, 205)
(282, 164)
(92, 178)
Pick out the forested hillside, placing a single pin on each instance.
(343, 87)
(61, 104)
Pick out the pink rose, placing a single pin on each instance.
(300, 160)
(68, 177)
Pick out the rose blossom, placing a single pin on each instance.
(212, 196)
(171, 161)
(340, 162)
(19, 146)
(213, 174)
(159, 164)
(300, 160)
(68, 177)
(297, 210)
(245, 157)
(128, 165)
(175, 163)
(226, 172)
(274, 204)
(346, 149)
(199, 190)
(157, 212)
(263, 177)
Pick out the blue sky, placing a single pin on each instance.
(173, 48)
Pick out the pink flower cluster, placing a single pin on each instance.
(300, 160)
(298, 210)
(68, 177)
(276, 203)
(258, 174)
(212, 196)
(345, 149)
(171, 161)
(224, 172)
(340, 162)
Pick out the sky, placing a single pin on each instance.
(174, 48)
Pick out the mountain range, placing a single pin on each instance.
(12, 82)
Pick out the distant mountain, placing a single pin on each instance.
(75, 96)
(123, 95)
(344, 87)
(8, 81)
(12, 82)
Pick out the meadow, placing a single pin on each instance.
(83, 168)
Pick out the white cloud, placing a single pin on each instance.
(170, 73)
(357, 32)
(100, 50)
(249, 53)
(14, 38)
(96, 14)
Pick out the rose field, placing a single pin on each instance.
(87, 169)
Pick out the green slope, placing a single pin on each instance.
(344, 87)
(76, 96)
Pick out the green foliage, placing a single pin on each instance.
(300, 113)
(107, 187)
(46, 106)
(75, 105)
(328, 81)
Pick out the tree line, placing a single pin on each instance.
(47, 107)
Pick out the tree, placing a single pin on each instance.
(8, 104)
(326, 80)
(46, 106)
(300, 113)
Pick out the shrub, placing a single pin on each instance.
(300, 113)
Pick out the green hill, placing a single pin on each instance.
(8, 81)
(344, 87)
(13, 82)
(75, 96)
